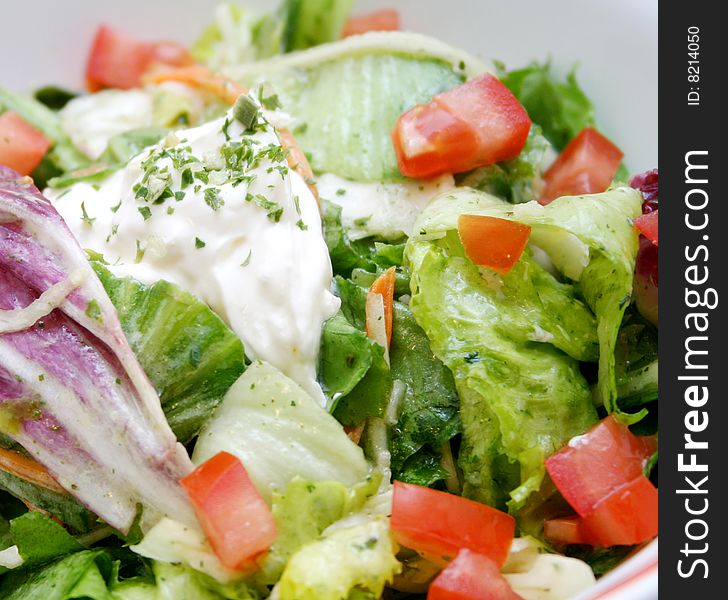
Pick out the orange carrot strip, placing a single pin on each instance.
(384, 285)
(29, 470)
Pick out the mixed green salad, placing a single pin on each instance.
(320, 309)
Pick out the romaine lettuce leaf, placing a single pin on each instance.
(279, 432)
(186, 350)
(40, 539)
(562, 109)
(358, 557)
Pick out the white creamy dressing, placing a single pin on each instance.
(388, 210)
(270, 281)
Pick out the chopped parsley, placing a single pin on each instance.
(199, 243)
(84, 216)
(145, 212)
(213, 199)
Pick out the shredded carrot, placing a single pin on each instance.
(228, 90)
(384, 285)
(355, 432)
(28, 469)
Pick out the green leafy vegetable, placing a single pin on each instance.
(426, 415)
(65, 508)
(360, 556)
(561, 108)
(520, 400)
(279, 432)
(313, 22)
(79, 575)
(369, 88)
(636, 361)
(54, 97)
(189, 354)
(516, 180)
(40, 539)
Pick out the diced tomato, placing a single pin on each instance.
(379, 20)
(439, 525)
(595, 464)
(22, 146)
(586, 166)
(235, 518)
(477, 123)
(118, 60)
(625, 517)
(493, 242)
(384, 286)
(647, 224)
(564, 530)
(471, 576)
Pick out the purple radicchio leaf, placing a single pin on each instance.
(72, 393)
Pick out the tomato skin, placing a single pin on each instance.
(626, 517)
(117, 60)
(22, 146)
(587, 165)
(591, 466)
(439, 524)
(477, 123)
(235, 518)
(493, 242)
(471, 576)
(647, 224)
(380, 20)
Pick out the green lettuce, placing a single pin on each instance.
(186, 350)
(518, 180)
(521, 398)
(426, 415)
(313, 22)
(347, 96)
(360, 557)
(636, 361)
(560, 108)
(279, 432)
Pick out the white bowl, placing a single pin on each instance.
(614, 43)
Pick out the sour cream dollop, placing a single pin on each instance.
(216, 210)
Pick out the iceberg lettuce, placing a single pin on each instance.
(279, 432)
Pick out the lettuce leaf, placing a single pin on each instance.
(560, 108)
(186, 350)
(361, 556)
(279, 432)
(347, 96)
(40, 539)
(518, 180)
(426, 416)
(520, 399)
(313, 22)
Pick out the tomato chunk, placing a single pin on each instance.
(477, 123)
(471, 576)
(118, 60)
(593, 465)
(493, 242)
(380, 20)
(439, 524)
(587, 165)
(22, 146)
(235, 518)
(647, 224)
(625, 517)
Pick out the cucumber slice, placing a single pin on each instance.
(346, 96)
(191, 357)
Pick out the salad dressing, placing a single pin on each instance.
(251, 248)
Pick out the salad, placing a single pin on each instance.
(320, 309)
